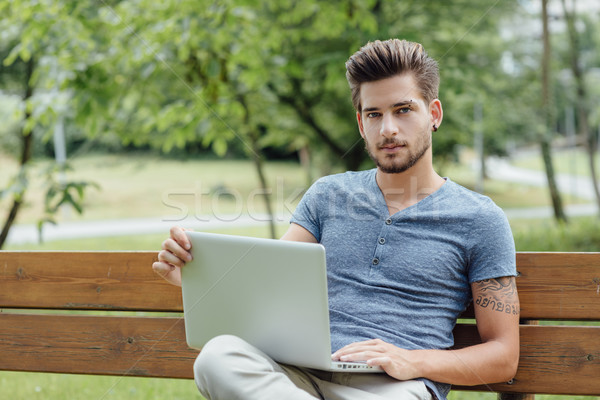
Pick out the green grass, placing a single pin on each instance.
(139, 185)
(29, 385)
(580, 234)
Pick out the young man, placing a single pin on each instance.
(407, 251)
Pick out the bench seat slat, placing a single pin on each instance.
(85, 281)
(553, 360)
(127, 346)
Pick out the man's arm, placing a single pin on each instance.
(297, 233)
(494, 360)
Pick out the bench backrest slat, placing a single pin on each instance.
(559, 285)
(85, 281)
(551, 285)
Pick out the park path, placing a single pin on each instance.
(498, 169)
(575, 185)
(28, 233)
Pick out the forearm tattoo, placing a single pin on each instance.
(498, 295)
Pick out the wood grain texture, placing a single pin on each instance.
(85, 281)
(559, 285)
(127, 346)
(553, 360)
(551, 285)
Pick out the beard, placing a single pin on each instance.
(399, 162)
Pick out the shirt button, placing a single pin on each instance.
(381, 240)
(388, 221)
(375, 261)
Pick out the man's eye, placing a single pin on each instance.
(403, 110)
(372, 115)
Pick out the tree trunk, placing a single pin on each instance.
(260, 170)
(25, 156)
(304, 155)
(582, 110)
(559, 213)
(254, 133)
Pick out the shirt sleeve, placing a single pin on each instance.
(307, 211)
(492, 247)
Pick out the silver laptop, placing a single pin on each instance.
(271, 293)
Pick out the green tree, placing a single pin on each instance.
(36, 36)
(288, 57)
(314, 41)
(582, 100)
(559, 213)
(253, 74)
(194, 76)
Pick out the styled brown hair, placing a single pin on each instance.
(379, 60)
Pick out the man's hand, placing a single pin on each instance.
(396, 362)
(173, 256)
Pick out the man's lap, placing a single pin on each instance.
(234, 363)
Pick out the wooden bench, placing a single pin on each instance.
(150, 343)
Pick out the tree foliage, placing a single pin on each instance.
(35, 46)
(246, 75)
(254, 74)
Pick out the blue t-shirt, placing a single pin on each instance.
(403, 278)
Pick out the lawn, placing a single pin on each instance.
(28, 385)
(140, 185)
(25, 386)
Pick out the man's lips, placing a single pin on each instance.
(391, 146)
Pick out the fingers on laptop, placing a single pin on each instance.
(178, 234)
(175, 248)
(173, 256)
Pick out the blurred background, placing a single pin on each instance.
(120, 119)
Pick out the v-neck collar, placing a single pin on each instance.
(382, 205)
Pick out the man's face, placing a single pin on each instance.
(396, 122)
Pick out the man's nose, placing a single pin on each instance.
(388, 127)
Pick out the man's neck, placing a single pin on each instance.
(405, 189)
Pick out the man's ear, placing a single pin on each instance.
(361, 128)
(436, 112)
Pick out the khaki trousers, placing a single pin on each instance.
(228, 368)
